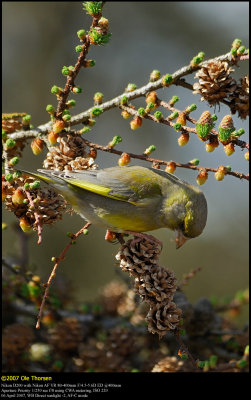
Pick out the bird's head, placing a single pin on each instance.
(186, 213)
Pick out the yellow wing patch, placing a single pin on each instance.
(98, 189)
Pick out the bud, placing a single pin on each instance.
(26, 186)
(151, 106)
(241, 50)
(174, 115)
(149, 150)
(166, 80)
(114, 141)
(66, 71)
(50, 109)
(210, 147)
(204, 125)
(98, 98)
(155, 75)
(183, 139)
(37, 146)
(151, 97)
(226, 127)
(213, 361)
(182, 118)
(158, 115)
(18, 196)
(17, 174)
(58, 126)
(103, 22)
(197, 59)
(171, 167)
(26, 120)
(81, 34)
(130, 87)
(237, 134)
(76, 90)
(96, 111)
(56, 90)
(9, 144)
(195, 161)
(236, 43)
(124, 159)
(71, 103)
(220, 173)
(202, 177)
(229, 149)
(14, 161)
(89, 63)
(66, 117)
(191, 108)
(246, 155)
(84, 130)
(141, 111)
(9, 177)
(35, 185)
(125, 114)
(79, 48)
(24, 225)
(173, 100)
(136, 123)
(85, 231)
(124, 100)
(177, 126)
(52, 138)
(234, 52)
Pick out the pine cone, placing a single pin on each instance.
(67, 335)
(69, 155)
(16, 339)
(137, 257)
(112, 296)
(12, 123)
(120, 341)
(215, 82)
(240, 98)
(169, 364)
(163, 318)
(48, 204)
(158, 285)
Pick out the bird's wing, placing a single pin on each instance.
(131, 184)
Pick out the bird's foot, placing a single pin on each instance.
(114, 237)
(139, 236)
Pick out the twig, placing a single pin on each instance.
(162, 162)
(115, 102)
(185, 349)
(188, 276)
(53, 273)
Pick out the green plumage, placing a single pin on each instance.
(132, 198)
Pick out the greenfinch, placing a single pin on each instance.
(132, 199)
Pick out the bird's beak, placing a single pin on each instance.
(180, 239)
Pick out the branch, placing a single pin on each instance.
(162, 162)
(115, 102)
(53, 273)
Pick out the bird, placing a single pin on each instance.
(132, 199)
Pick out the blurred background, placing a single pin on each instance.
(40, 37)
